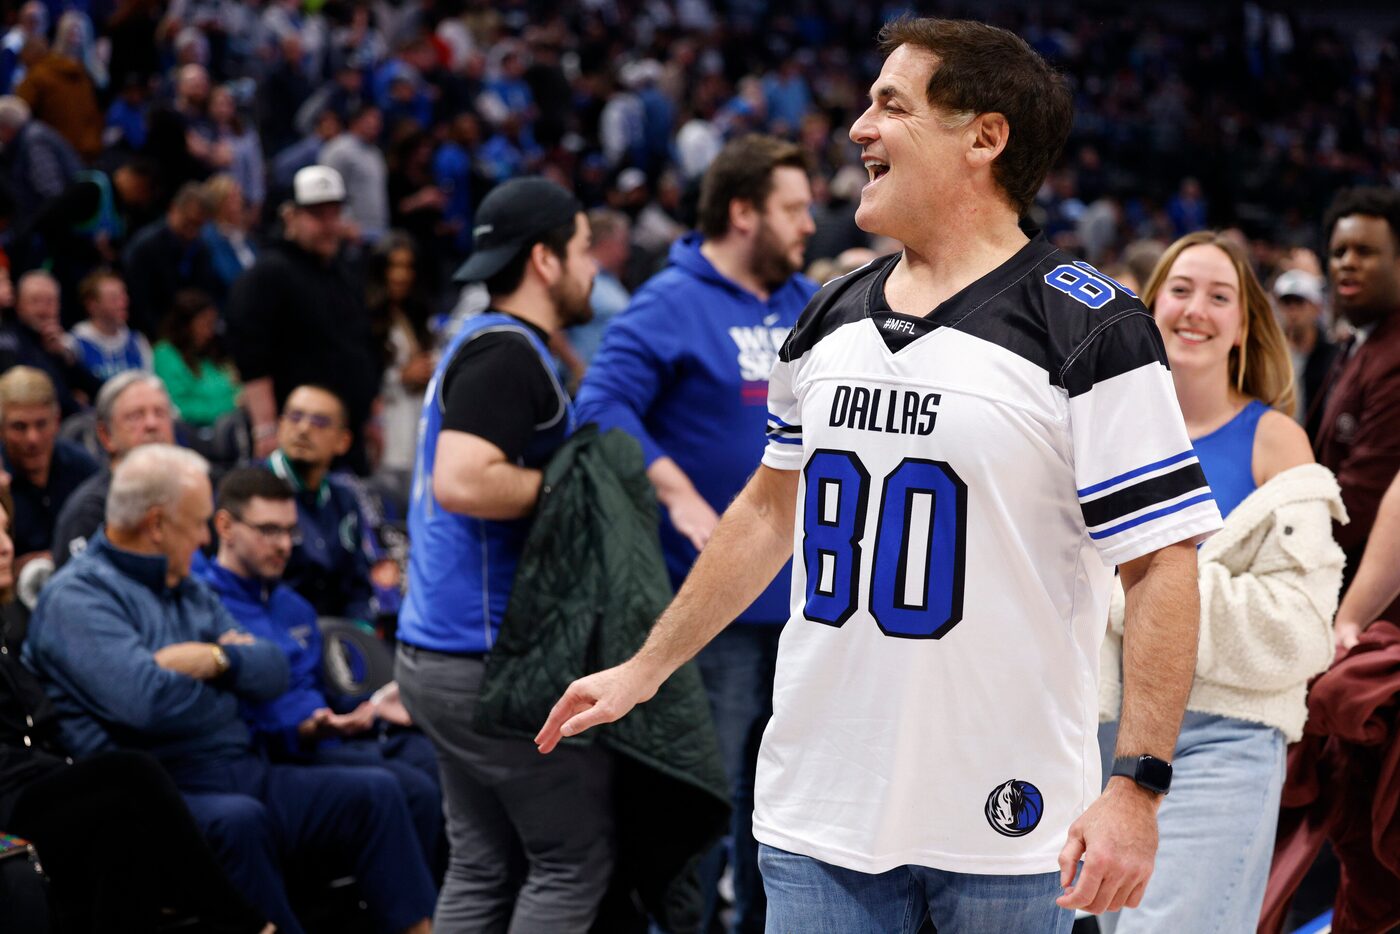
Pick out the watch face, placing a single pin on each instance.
(1154, 774)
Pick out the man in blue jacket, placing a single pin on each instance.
(138, 655)
(685, 370)
(257, 526)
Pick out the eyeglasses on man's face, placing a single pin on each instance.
(314, 419)
(271, 531)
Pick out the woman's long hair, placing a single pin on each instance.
(1261, 367)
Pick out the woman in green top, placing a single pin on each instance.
(201, 384)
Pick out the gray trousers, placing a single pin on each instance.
(531, 836)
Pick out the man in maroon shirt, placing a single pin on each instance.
(1359, 439)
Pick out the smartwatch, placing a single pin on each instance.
(1148, 771)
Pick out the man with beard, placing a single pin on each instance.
(685, 371)
(1359, 438)
(531, 837)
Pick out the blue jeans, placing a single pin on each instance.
(1217, 828)
(737, 668)
(807, 896)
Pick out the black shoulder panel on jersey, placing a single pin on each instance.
(1125, 342)
(839, 302)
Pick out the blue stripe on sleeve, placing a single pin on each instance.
(774, 418)
(1107, 533)
(1090, 490)
(781, 440)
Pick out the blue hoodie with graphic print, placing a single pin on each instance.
(684, 370)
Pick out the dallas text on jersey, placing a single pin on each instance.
(896, 411)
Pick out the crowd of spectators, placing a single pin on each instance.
(233, 226)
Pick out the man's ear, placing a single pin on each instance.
(154, 523)
(343, 443)
(989, 135)
(223, 523)
(743, 216)
(549, 266)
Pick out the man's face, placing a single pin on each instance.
(317, 229)
(910, 155)
(29, 432)
(183, 528)
(1299, 316)
(186, 222)
(141, 415)
(259, 541)
(36, 306)
(783, 227)
(110, 307)
(312, 429)
(1364, 269)
(570, 292)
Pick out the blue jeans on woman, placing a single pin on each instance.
(1216, 828)
(808, 896)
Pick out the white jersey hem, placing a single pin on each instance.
(1033, 864)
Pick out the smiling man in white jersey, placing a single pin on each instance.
(964, 440)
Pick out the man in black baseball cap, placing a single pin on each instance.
(494, 416)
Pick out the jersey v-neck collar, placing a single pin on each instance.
(899, 330)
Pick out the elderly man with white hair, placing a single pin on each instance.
(137, 654)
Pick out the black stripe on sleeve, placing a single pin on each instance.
(1159, 489)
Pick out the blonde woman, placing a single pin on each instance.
(1269, 582)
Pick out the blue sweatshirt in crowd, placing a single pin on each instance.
(684, 370)
(286, 619)
(93, 639)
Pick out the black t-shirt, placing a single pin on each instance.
(497, 388)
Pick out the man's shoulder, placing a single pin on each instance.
(73, 457)
(839, 302)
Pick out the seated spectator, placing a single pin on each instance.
(226, 234)
(41, 163)
(136, 654)
(201, 383)
(62, 808)
(132, 409)
(331, 565)
(35, 338)
(355, 155)
(104, 345)
(237, 149)
(166, 256)
(44, 471)
(257, 528)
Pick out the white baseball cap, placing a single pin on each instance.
(1299, 283)
(317, 184)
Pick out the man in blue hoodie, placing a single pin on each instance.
(138, 655)
(257, 527)
(685, 371)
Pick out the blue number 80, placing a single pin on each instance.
(916, 578)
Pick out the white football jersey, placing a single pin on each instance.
(969, 480)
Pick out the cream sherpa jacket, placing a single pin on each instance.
(1269, 586)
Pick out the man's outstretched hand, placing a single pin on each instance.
(599, 698)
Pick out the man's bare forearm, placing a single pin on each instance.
(750, 545)
(1160, 633)
(499, 491)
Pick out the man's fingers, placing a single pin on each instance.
(1069, 857)
(1085, 888)
(1135, 896)
(549, 735)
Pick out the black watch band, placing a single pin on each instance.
(1148, 771)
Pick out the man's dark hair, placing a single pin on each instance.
(743, 171)
(983, 69)
(242, 485)
(509, 277)
(1370, 202)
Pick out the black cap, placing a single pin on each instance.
(512, 216)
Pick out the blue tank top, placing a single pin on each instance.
(460, 568)
(1227, 457)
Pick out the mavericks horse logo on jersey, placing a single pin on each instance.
(1014, 808)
